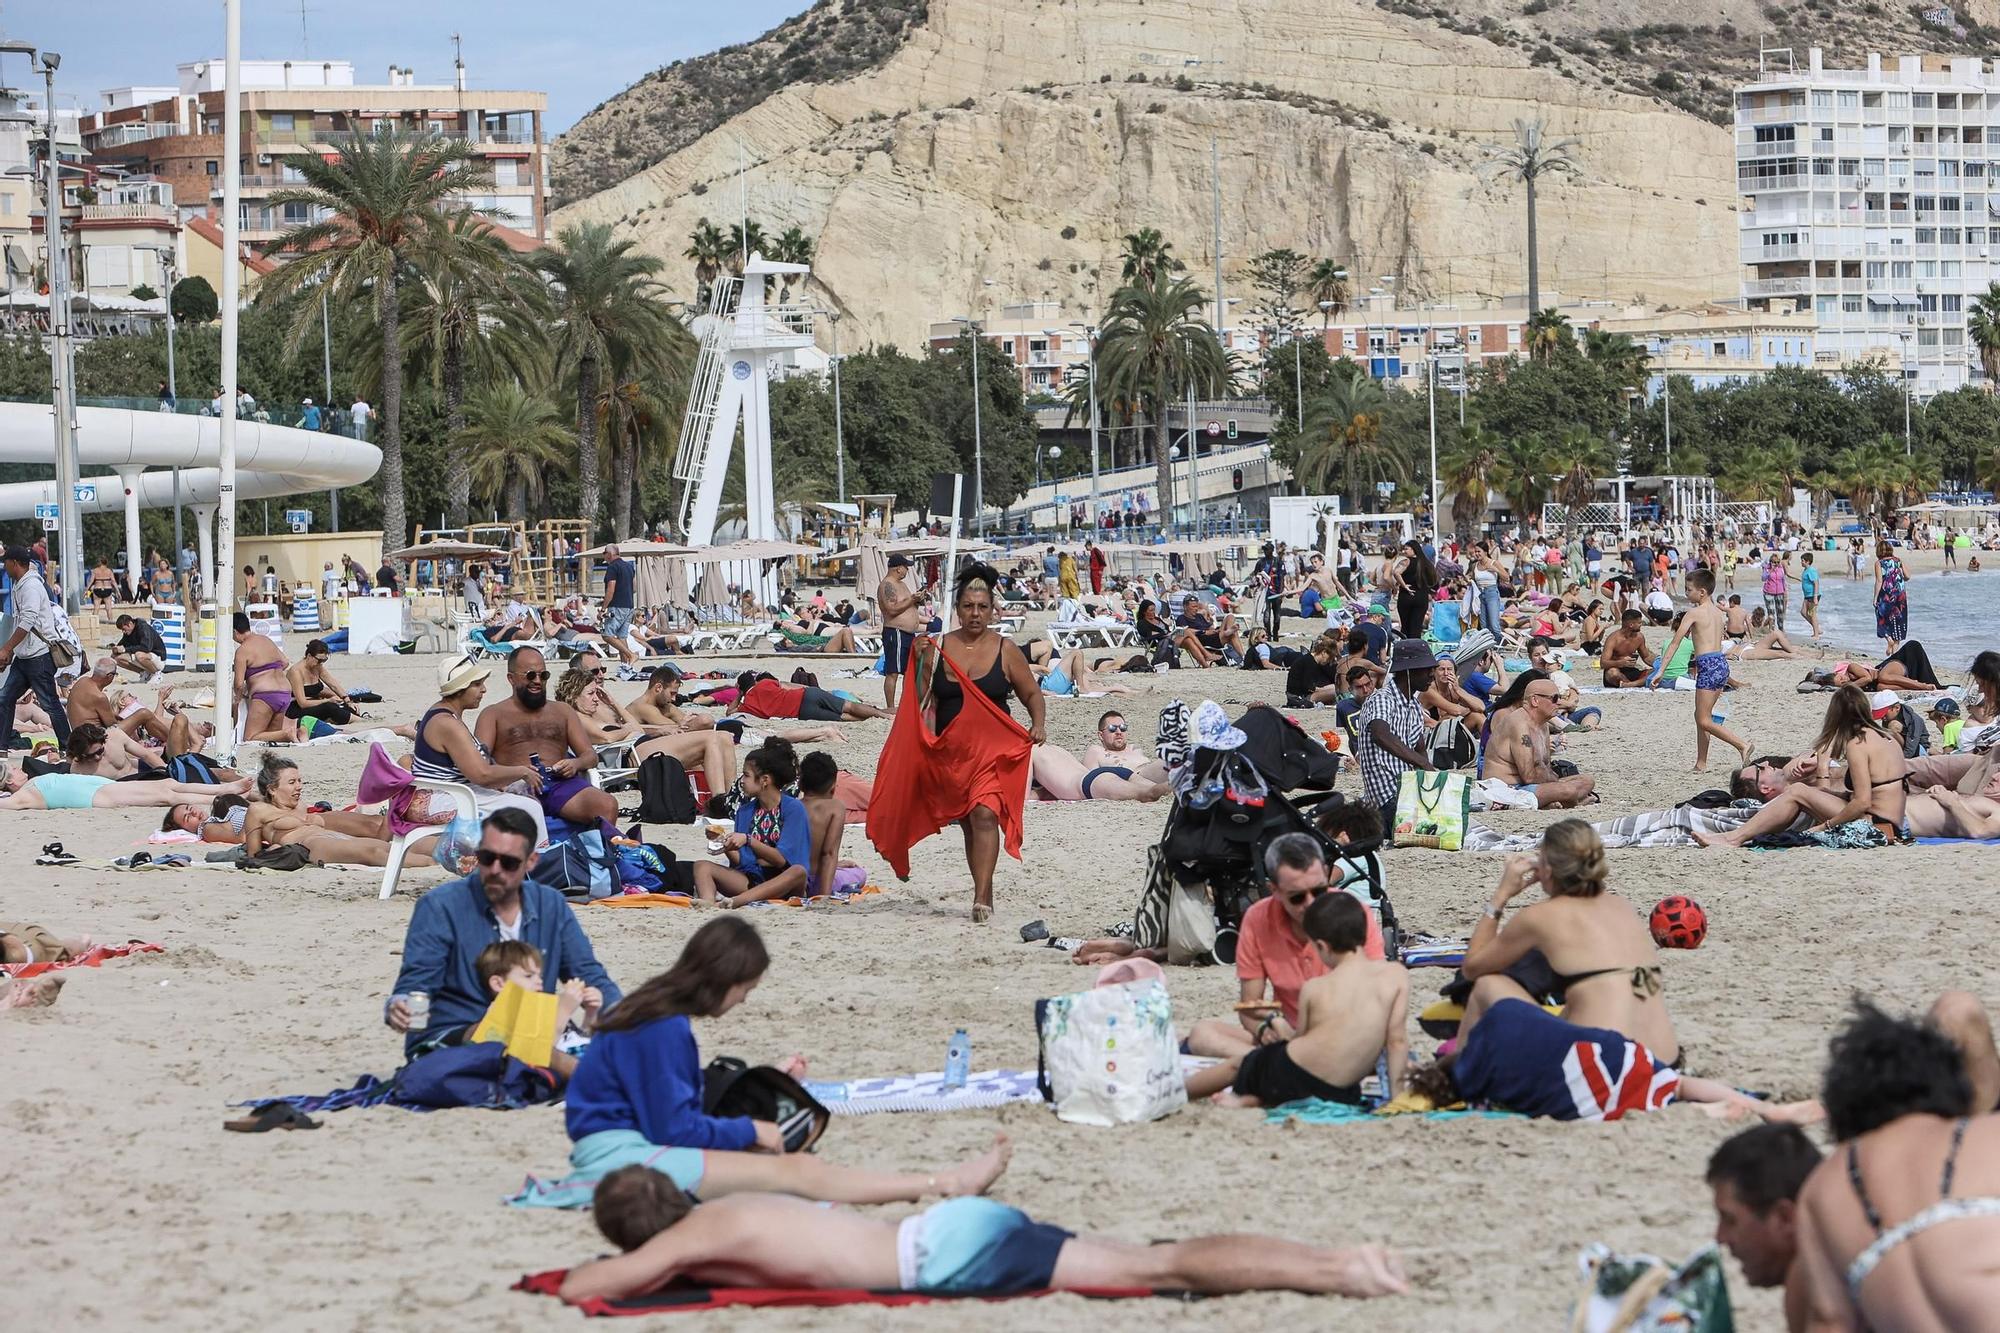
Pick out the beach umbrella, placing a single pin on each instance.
(713, 590)
(637, 550)
(870, 569)
(757, 550)
(447, 551)
(676, 574)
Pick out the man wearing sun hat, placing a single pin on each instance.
(1392, 727)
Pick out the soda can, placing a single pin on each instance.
(419, 1005)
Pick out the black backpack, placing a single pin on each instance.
(729, 1087)
(665, 794)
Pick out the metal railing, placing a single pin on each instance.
(128, 212)
(332, 420)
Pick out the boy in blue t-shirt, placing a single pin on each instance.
(772, 844)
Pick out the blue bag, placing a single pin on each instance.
(584, 862)
(476, 1074)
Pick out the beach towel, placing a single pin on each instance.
(925, 781)
(95, 957)
(1642, 828)
(926, 1092)
(1313, 1111)
(680, 1297)
(838, 898)
(1641, 1294)
(591, 1159)
(479, 1074)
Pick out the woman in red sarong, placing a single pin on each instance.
(970, 766)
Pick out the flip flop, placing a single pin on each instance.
(277, 1115)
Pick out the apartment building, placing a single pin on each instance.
(1050, 350)
(1870, 198)
(23, 127)
(1714, 344)
(299, 107)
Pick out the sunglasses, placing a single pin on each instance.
(1116, 727)
(488, 857)
(534, 675)
(1299, 896)
(96, 754)
(595, 672)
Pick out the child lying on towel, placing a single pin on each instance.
(1520, 1057)
(1349, 1019)
(966, 1246)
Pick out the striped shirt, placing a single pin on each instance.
(1381, 771)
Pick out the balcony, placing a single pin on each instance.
(1747, 184)
(1772, 254)
(161, 213)
(1783, 148)
(1777, 287)
(505, 136)
(114, 136)
(1771, 115)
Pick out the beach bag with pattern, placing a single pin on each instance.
(1433, 809)
(1641, 1294)
(1109, 1055)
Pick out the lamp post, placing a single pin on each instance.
(1659, 349)
(326, 375)
(1908, 449)
(62, 382)
(978, 447)
(839, 443)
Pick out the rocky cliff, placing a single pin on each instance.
(1002, 147)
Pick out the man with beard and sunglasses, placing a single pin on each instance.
(457, 920)
(530, 727)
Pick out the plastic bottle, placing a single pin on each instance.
(957, 1060)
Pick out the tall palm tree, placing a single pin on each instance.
(1549, 332)
(1147, 254)
(1341, 440)
(1151, 345)
(706, 246)
(600, 302)
(511, 438)
(1522, 476)
(1470, 468)
(375, 205)
(1530, 157)
(1756, 474)
(1623, 360)
(457, 285)
(1982, 329)
(745, 239)
(792, 247)
(638, 417)
(1576, 460)
(1326, 284)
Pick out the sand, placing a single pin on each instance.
(132, 1208)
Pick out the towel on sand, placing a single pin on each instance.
(838, 898)
(1313, 1111)
(95, 957)
(686, 1296)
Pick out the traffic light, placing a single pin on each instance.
(1236, 478)
(1229, 428)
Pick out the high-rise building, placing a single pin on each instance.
(314, 106)
(1871, 199)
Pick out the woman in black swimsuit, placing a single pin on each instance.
(1595, 942)
(996, 666)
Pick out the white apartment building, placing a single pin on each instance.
(1871, 199)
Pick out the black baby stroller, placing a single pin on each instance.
(1208, 867)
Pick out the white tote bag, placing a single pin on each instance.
(1109, 1056)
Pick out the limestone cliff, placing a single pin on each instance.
(1013, 142)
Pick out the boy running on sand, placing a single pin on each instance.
(1349, 1018)
(1703, 625)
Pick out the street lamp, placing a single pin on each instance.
(839, 445)
(1905, 368)
(1054, 451)
(978, 446)
(1659, 349)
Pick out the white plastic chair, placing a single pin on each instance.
(399, 846)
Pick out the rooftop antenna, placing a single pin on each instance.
(458, 62)
(305, 37)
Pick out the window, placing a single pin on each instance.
(1899, 101)
(1850, 305)
(1719, 350)
(6, 205)
(281, 122)
(212, 167)
(1850, 101)
(507, 171)
(1953, 305)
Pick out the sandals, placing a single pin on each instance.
(54, 855)
(276, 1115)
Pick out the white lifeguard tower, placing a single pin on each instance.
(742, 338)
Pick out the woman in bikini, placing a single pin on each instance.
(1894, 1224)
(1595, 942)
(260, 679)
(996, 668)
(315, 693)
(278, 817)
(605, 720)
(1876, 776)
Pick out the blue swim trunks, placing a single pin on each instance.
(1711, 671)
(964, 1247)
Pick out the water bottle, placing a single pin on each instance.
(957, 1060)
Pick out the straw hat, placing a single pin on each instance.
(460, 673)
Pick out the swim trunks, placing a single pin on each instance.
(897, 645)
(1269, 1074)
(976, 1246)
(68, 791)
(1096, 773)
(1711, 671)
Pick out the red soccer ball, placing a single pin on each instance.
(1679, 923)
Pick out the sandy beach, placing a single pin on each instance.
(132, 1208)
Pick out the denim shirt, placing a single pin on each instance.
(454, 922)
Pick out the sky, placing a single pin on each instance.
(538, 46)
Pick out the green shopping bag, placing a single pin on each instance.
(1432, 809)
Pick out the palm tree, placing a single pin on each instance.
(1341, 437)
(1147, 254)
(1469, 468)
(1530, 157)
(456, 287)
(510, 439)
(705, 247)
(600, 304)
(1548, 333)
(638, 414)
(376, 205)
(1151, 345)
(745, 239)
(1326, 284)
(1577, 460)
(1869, 474)
(1623, 360)
(1756, 474)
(792, 247)
(1522, 476)
(1982, 329)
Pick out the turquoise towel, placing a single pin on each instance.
(591, 1159)
(1316, 1112)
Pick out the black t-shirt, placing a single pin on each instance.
(385, 577)
(143, 638)
(618, 584)
(1305, 675)
(1378, 641)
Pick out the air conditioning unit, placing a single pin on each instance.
(263, 159)
(1921, 289)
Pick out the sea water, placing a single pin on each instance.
(1952, 613)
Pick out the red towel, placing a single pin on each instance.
(925, 781)
(679, 1297)
(94, 958)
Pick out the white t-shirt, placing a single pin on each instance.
(360, 412)
(513, 931)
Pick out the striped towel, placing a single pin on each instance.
(926, 1092)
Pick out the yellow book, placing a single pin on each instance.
(525, 1020)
